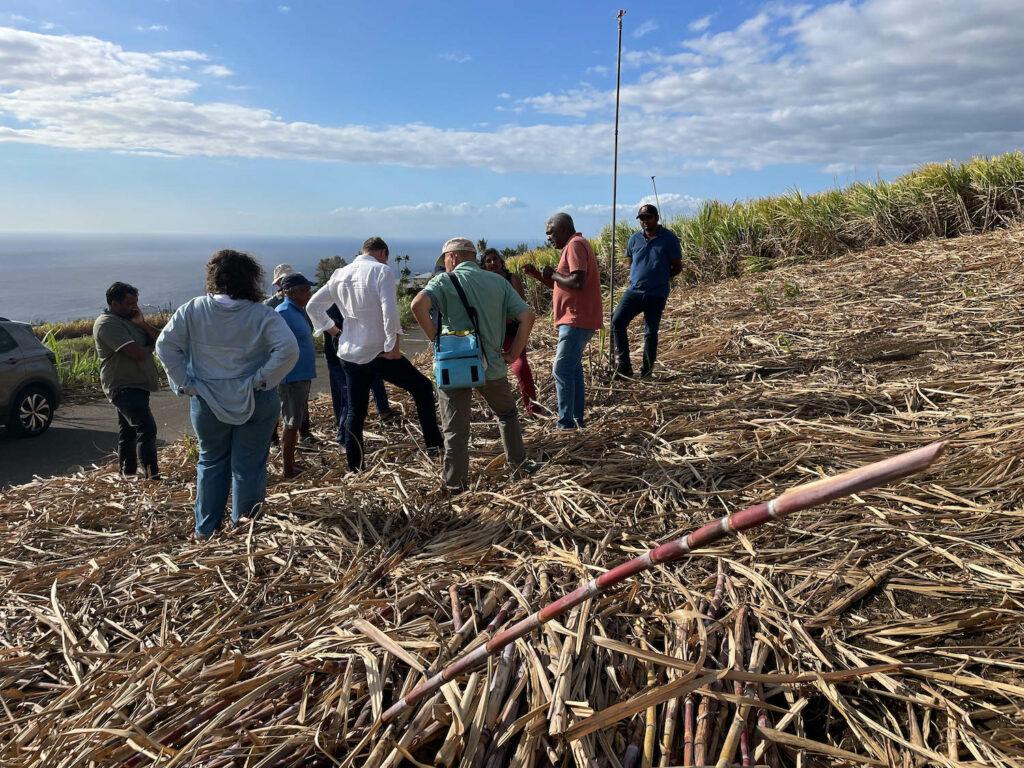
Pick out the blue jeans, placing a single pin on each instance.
(232, 457)
(632, 304)
(339, 395)
(568, 372)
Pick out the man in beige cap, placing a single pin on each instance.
(495, 301)
(281, 271)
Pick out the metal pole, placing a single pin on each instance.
(657, 202)
(793, 500)
(615, 200)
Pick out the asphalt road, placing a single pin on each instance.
(85, 434)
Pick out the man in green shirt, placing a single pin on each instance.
(124, 342)
(495, 300)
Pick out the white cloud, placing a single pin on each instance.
(834, 85)
(429, 209)
(456, 57)
(504, 95)
(671, 204)
(46, 26)
(284, 8)
(506, 203)
(646, 28)
(166, 55)
(152, 28)
(600, 69)
(861, 84)
(699, 25)
(415, 209)
(217, 70)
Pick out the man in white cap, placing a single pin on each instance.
(281, 271)
(495, 302)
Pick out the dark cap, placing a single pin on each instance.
(294, 280)
(646, 209)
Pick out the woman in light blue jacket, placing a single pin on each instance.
(228, 352)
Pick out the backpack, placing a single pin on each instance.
(460, 361)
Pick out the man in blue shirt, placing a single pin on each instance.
(294, 390)
(655, 257)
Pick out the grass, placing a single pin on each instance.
(74, 329)
(938, 200)
(77, 363)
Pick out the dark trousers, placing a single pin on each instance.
(402, 374)
(339, 396)
(632, 304)
(136, 432)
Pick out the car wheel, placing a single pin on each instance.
(31, 412)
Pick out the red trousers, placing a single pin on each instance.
(524, 376)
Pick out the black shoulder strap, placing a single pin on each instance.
(471, 311)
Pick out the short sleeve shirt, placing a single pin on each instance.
(495, 301)
(305, 366)
(649, 271)
(581, 308)
(118, 371)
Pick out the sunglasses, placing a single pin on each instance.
(645, 216)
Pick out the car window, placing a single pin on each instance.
(7, 342)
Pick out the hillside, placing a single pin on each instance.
(885, 629)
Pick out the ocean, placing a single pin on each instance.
(47, 278)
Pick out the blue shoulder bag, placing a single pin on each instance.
(460, 361)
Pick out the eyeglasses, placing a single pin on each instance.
(645, 216)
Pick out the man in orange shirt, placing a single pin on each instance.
(577, 311)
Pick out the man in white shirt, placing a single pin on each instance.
(365, 293)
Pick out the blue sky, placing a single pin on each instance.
(418, 119)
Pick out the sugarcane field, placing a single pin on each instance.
(882, 627)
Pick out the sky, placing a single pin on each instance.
(431, 119)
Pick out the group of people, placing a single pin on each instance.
(247, 364)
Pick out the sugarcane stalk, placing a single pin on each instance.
(688, 724)
(496, 757)
(453, 593)
(796, 499)
(650, 725)
(671, 716)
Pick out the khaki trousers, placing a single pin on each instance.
(455, 419)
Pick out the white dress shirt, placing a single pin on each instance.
(365, 292)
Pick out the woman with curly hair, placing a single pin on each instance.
(228, 352)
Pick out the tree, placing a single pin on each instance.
(326, 267)
(481, 246)
(404, 272)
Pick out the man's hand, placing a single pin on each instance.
(394, 354)
(510, 356)
(531, 270)
(547, 273)
(333, 330)
(138, 318)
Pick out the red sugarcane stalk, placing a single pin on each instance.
(793, 500)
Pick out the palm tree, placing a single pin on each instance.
(481, 246)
